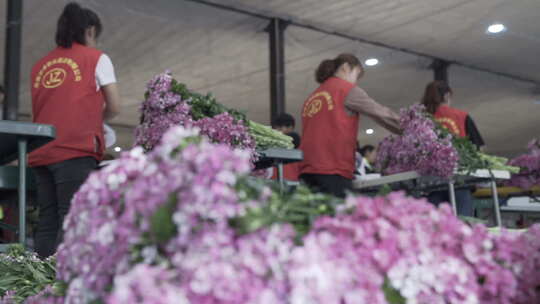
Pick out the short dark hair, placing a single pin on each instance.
(283, 120)
(73, 23)
(366, 149)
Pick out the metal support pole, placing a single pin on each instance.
(452, 195)
(496, 206)
(281, 179)
(12, 59)
(276, 30)
(440, 70)
(22, 190)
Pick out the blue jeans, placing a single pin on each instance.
(464, 202)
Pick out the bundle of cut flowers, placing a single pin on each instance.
(169, 103)
(22, 274)
(185, 224)
(418, 148)
(529, 164)
(429, 148)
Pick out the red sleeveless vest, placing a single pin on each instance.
(65, 95)
(290, 172)
(328, 132)
(452, 119)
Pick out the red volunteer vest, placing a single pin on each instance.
(65, 95)
(452, 119)
(290, 172)
(328, 132)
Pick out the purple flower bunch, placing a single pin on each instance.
(419, 148)
(113, 211)
(160, 110)
(99, 229)
(46, 296)
(8, 297)
(529, 163)
(147, 284)
(223, 129)
(163, 108)
(396, 244)
(217, 266)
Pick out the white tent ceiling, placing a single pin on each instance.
(227, 53)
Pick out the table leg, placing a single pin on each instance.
(452, 195)
(22, 191)
(280, 177)
(496, 206)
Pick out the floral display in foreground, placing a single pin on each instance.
(162, 227)
(529, 163)
(419, 148)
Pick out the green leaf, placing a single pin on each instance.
(59, 288)
(299, 208)
(384, 190)
(392, 295)
(162, 227)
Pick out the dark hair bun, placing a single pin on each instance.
(329, 67)
(326, 69)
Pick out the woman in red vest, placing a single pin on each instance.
(437, 99)
(330, 121)
(74, 89)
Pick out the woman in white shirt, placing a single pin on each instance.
(365, 160)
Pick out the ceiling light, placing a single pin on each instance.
(372, 61)
(496, 28)
(117, 149)
(370, 131)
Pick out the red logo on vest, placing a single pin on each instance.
(452, 119)
(315, 103)
(449, 124)
(54, 78)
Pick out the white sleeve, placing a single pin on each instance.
(110, 135)
(362, 169)
(104, 71)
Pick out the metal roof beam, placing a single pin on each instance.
(362, 40)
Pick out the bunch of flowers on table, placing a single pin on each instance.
(419, 148)
(529, 164)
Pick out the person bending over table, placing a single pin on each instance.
(437, 100)
(74, 89)
(330, 121)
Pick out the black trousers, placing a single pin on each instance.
(56, 185)
(336, 185)
(464, 200)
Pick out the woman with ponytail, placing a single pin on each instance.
(330, 122)
(437, 99)
(74, 89)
